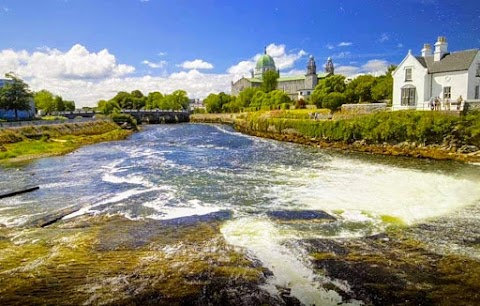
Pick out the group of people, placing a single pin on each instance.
(436, 103)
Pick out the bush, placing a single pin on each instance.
(300, 104)
(125, 120)
(333, 100)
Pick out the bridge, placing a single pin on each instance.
(142, 116)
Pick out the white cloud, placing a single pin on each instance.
(344, 44)
(330, 47)
(77, 63)
(158, 65)
(384, 37)
(196, 64)
(283, 60)
(400, 45)
(162, 53)
(374, 67)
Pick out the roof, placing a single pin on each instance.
(288, 78)
(265, 61)
(456, 61)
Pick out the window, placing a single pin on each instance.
(408, 74)
(477, 89)
(447, 92)
(477, 74)
(408, 96)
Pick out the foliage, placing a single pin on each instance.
(300, 104)
(333, 101)
(15, 95)
(214, 103)
(332, 83)
(177, 100)
(108, 107)
(49, 103)
(359, 89)
(125, 119)
(245, 97)
(269, 81)
(391, 127)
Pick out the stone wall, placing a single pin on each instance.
(364, 108)
(291, 87)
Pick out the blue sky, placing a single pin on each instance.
(88, 50)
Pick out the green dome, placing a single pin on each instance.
(265, 61)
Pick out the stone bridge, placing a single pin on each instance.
(142, 116)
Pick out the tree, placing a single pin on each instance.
(15, 95)
(154, 100)
(333, 100)
(270, 80)
(108, 107)
(383, 88)
(332, 83)
(178, 100)
(59, 104)
(359, 89)
(69, 105)
(44, 100)
(245, 97)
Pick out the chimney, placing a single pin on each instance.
(440, 48)
(427, 50)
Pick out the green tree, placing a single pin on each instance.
(177, 100)
(108, 107)
(270, 81)
(154, 100)
(360, 89)
(332, 83)
(383, 88)
(59, 104)
(245, 97)
(69, 105)
(44, 100)
(15, 95)
(333, 100)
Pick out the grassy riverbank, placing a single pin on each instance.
(31, 142)
(409, 133)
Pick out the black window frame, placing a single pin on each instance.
(477, 92)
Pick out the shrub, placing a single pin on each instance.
(125, 120)
(333, 100)
(300, 104)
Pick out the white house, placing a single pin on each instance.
(442, 74)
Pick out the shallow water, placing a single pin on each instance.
(170, 171)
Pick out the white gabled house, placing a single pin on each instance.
(442, 74)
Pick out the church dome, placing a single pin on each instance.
(265, 61)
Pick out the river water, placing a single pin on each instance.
(170, 171)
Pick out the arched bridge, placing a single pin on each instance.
(142, 116)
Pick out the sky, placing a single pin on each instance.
(88, 50)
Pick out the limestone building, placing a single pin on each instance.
(296, 87)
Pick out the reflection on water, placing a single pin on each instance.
(166, 172)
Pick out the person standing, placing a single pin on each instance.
(459, 102)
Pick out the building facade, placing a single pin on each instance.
(295, 87)
(447, 77)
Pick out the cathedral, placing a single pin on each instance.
(296, 87)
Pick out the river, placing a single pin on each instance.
(172, 171)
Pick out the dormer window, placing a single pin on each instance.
(408, 74)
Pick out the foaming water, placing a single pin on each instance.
(264, 241)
